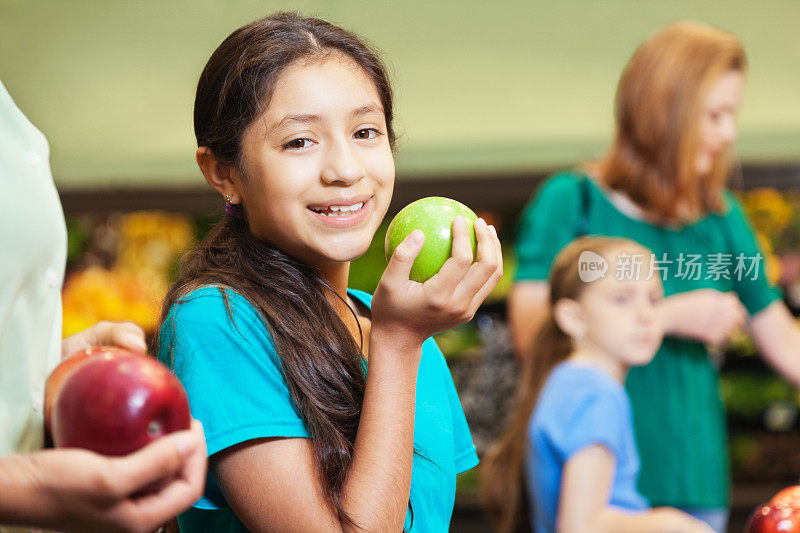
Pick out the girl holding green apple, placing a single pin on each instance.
(325, 409)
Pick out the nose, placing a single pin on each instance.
(728, 130)
(646, 311)
(342, 165)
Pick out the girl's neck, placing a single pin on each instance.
(606, 363)
(336, 275)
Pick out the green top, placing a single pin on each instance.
(679, 416)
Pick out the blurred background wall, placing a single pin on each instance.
(482, 87)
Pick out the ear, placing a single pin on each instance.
(569, 316)
(222, 177)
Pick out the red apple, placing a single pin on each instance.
(116, 405)
(64, 368)
(774, 518)
(790, 496)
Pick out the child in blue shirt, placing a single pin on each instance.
(325, 409)
(568, 460)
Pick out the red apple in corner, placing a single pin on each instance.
(789, 496)
(774, 518)
(115, 405)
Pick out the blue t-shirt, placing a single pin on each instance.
(580, 405)
(233, 377)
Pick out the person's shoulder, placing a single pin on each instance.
(560, 189)
(210, 303)
(731, 204)
(583, 383)
(564, 181)
(362, 296)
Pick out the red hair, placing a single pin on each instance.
(658, 106)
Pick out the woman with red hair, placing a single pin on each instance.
(662, 184)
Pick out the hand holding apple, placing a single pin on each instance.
(408, 312)
(116, 403)
(433, 215)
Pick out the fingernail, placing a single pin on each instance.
(185, 444)
(416, 236)
(135, 341)
(460, 220)
(480, 221)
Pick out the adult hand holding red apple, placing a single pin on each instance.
(114, 402)
(79, 490)
(412, 311)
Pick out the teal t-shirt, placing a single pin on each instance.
(678, 414)
(233, 377)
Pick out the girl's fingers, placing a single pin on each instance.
(498, 249)
(484, 291)
(482, 271)
(454, 269)
(404, 255)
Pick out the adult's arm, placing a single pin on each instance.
(705, 315)
(777, 336)
(527, 308)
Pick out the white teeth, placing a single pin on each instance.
(334, 209)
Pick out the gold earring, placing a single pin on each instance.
(229, 198)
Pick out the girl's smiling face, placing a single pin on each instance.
(318, 170)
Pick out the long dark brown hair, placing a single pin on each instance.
(503, 489)
(321, 362)
(658, 106)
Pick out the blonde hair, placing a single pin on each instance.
(658, 105)
(502, 476)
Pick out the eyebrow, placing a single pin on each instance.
(308, 118)
(298, 119)
(366, 110)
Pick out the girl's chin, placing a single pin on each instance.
(344, 254)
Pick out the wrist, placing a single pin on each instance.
(667, 311)
(396, 338)
(20, 485)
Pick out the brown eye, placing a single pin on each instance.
(297, 144)
(366, 133)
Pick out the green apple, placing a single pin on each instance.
(434, 216)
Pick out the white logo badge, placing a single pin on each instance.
(591, 266)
